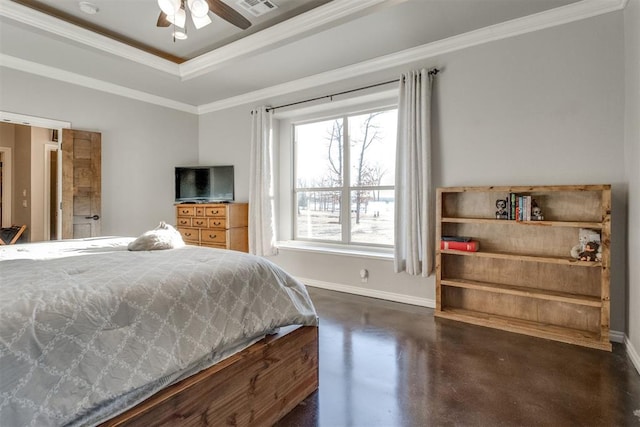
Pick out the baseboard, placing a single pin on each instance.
(633, 353)
(389, 296)
(616, 336)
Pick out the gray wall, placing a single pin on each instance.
(141, 143)
(542, 108)
(632, 156)
(225, 140)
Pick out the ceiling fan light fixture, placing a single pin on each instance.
(179, 35)
(179, 19)
(198, 8)
(169, 7)
(201, 22)
(88, 8)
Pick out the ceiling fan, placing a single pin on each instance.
(175, 12)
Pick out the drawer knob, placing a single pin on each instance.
(212, 236)
(187, 234)
(215, 212)
(217, 223)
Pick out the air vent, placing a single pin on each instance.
(257, 7)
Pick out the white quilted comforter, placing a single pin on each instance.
(89, 329)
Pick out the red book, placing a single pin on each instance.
(471, 246)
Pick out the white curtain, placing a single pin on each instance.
(261, 203)
(414, 208)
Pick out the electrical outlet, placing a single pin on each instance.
(364, 275)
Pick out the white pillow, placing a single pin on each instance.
(164, 236)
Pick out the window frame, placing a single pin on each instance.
(345, 189)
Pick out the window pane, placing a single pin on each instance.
(318, 215)
(372, 141)
(319, 153)
(372, 214)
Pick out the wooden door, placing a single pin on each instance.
(81, 184)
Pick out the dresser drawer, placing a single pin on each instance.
(183, 222)
(217, 210)
(200, 222)
(190, 234)
(214, 236)
(186, 210)
(199, 211)
(217, 223)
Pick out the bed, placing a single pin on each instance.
(91, 333)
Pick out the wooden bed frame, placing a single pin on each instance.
(256, 386)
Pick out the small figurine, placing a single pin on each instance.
(501, 213)
(590, 252)
(536, 213)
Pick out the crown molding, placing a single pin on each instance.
(551, 18)
(91, 83)
(554, 17)
(296, 26)
(42, 21)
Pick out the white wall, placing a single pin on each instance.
(542, 108)
(141, 144)
(632, 156)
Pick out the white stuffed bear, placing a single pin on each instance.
(164, 236)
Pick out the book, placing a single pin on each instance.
(524, 204)
(456, 238)
(470, 246)
(514, 204)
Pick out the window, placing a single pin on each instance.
(344, 168)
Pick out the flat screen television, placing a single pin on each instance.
(200, 184)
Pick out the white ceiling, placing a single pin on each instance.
(329, 37)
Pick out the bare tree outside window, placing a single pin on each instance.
(346, 166)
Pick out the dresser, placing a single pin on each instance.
(217, 225)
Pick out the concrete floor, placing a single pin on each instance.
(391, 364)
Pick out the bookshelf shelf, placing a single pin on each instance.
(523, 278)
(571, 224)
(531, 258)
(532, 328)
(587, 300)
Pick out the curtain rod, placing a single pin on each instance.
(432, 72)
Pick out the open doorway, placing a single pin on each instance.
(30, 187)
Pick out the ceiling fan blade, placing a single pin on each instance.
(162, 20)
(228, 14)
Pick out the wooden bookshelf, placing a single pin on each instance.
(524, 279)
